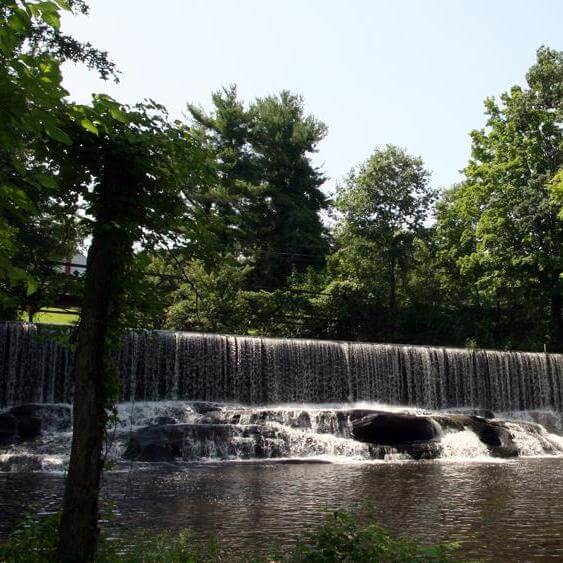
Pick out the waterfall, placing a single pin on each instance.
(35, 366)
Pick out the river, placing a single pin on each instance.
(510, 510)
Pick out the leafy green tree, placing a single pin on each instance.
(504, 239)
(30, 93)
(209, 299)
(284, 223)
(37, 224)
(268, 200)
(556, 189)
(384, 204)
(134, 169)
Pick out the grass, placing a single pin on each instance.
(55, 316)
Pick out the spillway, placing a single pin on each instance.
(36, 366)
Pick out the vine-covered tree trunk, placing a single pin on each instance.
(557, 313)
(108, 257)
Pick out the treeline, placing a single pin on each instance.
(388, 258)
(239, 235)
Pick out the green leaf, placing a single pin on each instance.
(52, 19)
(89, 126)
(47, 181)
(18, 21)
(117, 114)
(63, 4)
(58, 134)
(32, 286)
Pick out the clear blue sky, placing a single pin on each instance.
(408, 72)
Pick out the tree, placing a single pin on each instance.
(211, 300)
(36, 222)
(556, 189)
(134, 169)
(384, 204)
(268, 200)
(504, 233)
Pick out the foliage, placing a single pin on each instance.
(384, 204)
(229, 234)
(209, 300)
(343, 539)
(499, 234)
(267, 201)
(37, 226)
(556, 190)
(30, 93)
(340, 538)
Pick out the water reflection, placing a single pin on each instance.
(509, 511)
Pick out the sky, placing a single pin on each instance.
(407, 72)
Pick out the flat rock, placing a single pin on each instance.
(483, 413)
(204, 407)
(160, 420)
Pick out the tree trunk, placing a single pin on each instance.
(557, 314)
(107, 262)
(392, 284)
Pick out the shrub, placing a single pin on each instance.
(340, 539)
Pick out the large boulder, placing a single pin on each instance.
(171, 441)
(52, 417)
(29, 427)
(196, 441)
(151, 443)
(8, 429)
(395, 429)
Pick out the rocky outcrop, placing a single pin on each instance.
(550, 420)
(483, 413)
(204, 407)
(26, 422)
(54, 417)
(196, 441)
(160, 420)
(418, 435)
(395, 429)
(173, 431)
(8, 429)
(493, 433)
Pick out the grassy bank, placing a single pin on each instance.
(55, 316)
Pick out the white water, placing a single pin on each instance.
(308, 432)
(307, 390)
(462, 446)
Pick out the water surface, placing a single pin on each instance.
(501, 511)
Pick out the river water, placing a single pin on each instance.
(499, 510)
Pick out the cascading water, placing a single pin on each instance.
(167, 365)
(190, 396)
(166, 431)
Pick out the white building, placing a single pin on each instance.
(74, 265)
